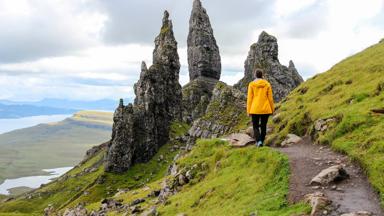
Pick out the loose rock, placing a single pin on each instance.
(291, 139)
(318, 202)
(359, 213)
(331, 174)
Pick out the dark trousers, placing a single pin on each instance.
(259, 122)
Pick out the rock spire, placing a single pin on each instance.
(203, 52)
(139, 130)
(264, 55)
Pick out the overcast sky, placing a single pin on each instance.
(92, 49)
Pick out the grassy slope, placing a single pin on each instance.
(347, 91)
(236, 182)
(69, 190)
(26, 151)
(247, 180)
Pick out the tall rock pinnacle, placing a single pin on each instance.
(264, 55)
(203, 52)
(165, 52)
(140, 130)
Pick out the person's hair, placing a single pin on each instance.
(259, 73)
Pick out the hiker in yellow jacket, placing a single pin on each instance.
(260, 105)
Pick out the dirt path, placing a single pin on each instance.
(353, 194)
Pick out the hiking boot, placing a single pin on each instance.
(259, 144)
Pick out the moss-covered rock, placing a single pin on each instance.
(196, 97)
(225, 113)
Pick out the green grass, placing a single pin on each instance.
(81, 187)
(229, 181)
(233, 181)
(27, 151)
(348, 91)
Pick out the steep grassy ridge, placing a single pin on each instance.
(346, 93)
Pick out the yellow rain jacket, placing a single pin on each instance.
(260, 100)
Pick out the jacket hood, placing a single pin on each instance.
(260, 83)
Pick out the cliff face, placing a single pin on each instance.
(204, 64)
(140, 130)
(264, 55)
(121, 149)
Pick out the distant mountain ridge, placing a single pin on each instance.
(20, 111)
(49, 106)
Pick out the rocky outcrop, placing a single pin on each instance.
(158, 95)
(225, 112)
(139, 130)
(122, 148)
(264, 55)
(203, 52)
(196, 97)
(204, 64)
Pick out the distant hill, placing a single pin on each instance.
(105, 104)
(8, 111)
(26, 151)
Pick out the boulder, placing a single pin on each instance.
(291, 139)
(331, 174)
(240, 140)
(318, 201)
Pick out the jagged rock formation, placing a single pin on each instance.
(264, 54)
(203, 52)
(225, 112)
(121, 150)
(140, 130)
(204, 64)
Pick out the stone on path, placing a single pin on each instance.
(318, 201)
(331, 174)
(359, 213)
(240, 140)
(291, 139)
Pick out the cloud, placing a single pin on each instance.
(136, 21)
(92, 49)
(34, 29)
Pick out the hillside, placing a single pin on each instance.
(158, 163)
(334, 108)
(27, 151)
(241, 179)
